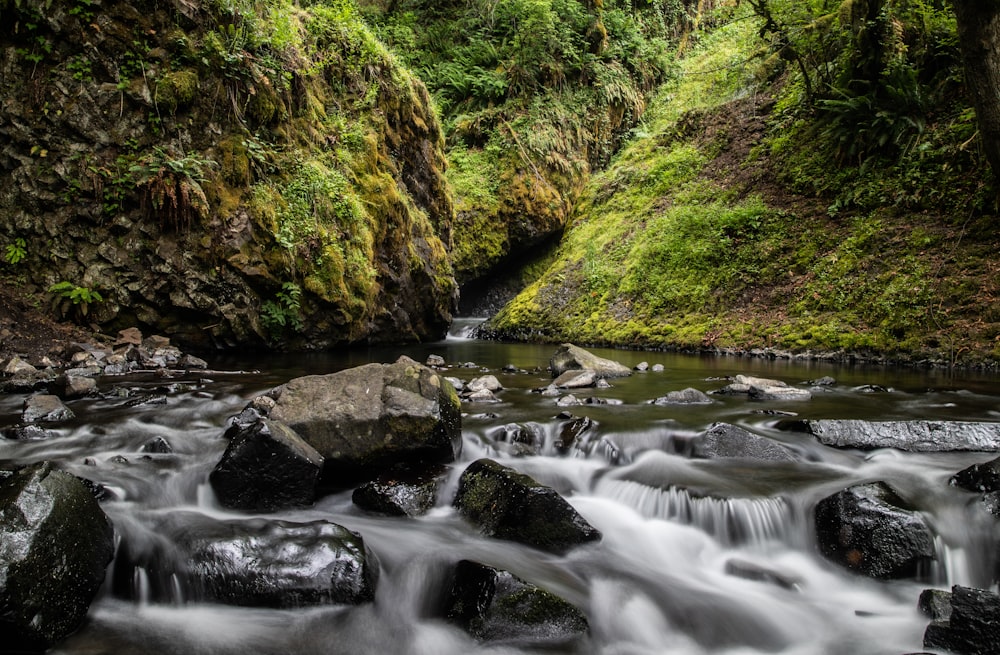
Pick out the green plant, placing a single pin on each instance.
(16, 251)
(285, 311)
(76, 296)
(171, 186)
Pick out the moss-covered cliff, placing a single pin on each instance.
(225, 172)
(744, 217)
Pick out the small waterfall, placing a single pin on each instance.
(732, 521)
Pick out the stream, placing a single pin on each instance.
(661, 579)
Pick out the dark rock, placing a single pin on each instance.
(723, 440)
(267, 467)
(825, 381)
(495, 606)
(979, 477)
(971, 628)
(514, 433)
(147, 399)
(914, 436)
(509, 505)
(157, 445)
(252, 562)
(403, 490)
(27, 382)
(572, 432)
(868, 529)
(190, 361)
(45, 408)
(872, 388)
(935, 604)
(750, 571)
(73, 386)
(28, 433)
(365, 419)
(570, 357)
(55, 543)
(689, 396)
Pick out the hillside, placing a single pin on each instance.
(739, 220)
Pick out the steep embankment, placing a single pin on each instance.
(740, 220)
(227, 173)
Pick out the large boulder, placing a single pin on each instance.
(723, 440)
(266, 467)
(55, 543)
(495, 606)
(914, 436)
(970, 625)
(868, 529)
(403, 490)
(983, 477)
(570, 357)
(507, 504)
(363, 420)
(252, 562)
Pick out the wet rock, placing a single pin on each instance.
(481, 396)
(28, 433)
(573, 433)
(979, 477)
(570, 357)
(267, 467)
(434, 360)
(146, 399)
(457, 383)
(723, 440)
(519, 434)
(55, 543)
(971, 627)
(494, 606)
(743, 384)
(825, 381)
(749, 571)
(935, 604)
(779, 394)
(73, 386)
(576, 379)
(157, 445)
(506, 504)
(569, 400)
(403, 490)
(365, 419)
(868, 529)
(251, 562)
(485, 383)
(914, 436)
(657, 368)
(45, 408)
(872, 388)
(689, 396)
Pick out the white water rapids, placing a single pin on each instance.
(667, 577)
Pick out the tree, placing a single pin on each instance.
(979, 36)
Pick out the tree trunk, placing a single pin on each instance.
(979, 35)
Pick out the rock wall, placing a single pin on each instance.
(254, 174)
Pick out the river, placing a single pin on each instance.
(656, 583)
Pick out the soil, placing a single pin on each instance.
(26, 330)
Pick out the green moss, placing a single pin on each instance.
(176, 89)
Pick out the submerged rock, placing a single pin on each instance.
(365, 419)
(868, 529)
(723, 440)
(507, 504)
(266, 467)
(495, 606)
(570, 357)
(55, 543)
(914, 436)
(252, 562)
(969, 626)
(403, 490)
(689, 396)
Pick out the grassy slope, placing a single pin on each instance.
(725, 226)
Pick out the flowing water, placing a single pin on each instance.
(674, 528)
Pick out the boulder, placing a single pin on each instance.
(570, 357)
(573, 433)
(971, 626)
(158, 446)
(434, 360)
(484, 383)
(723, 440)
(506, 504)
(17, 366)
(689, 396)
(983, 477)
(913, 436)
(73, 386)
(868, 529)
(495, 606)
(365, 419)
(403, 490)
(266, 467)
(55, 543)
(252, 562)
(576, 379)
(45, 408)
(28, 432)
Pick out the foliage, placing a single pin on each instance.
(171, 187)
(285, 311)
(79, 297)
(16, 251)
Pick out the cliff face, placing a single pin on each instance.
(246, 174)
